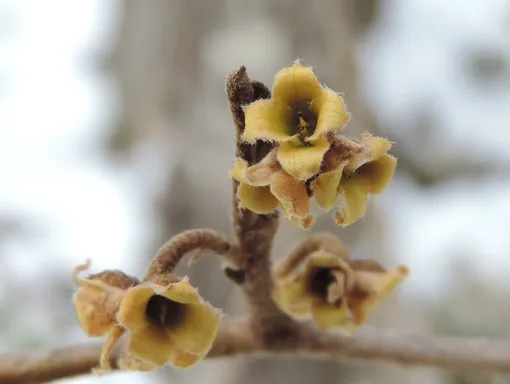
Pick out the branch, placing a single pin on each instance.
(237, 338)
(255, 233)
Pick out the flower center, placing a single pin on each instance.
(304, 121)
(320, 281)
(164, 312)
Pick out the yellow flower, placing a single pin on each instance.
(168, 324)
(299, 116)
(334, 291)
(367, 172)
(97, 300)
(265, 186)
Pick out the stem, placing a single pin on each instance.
(238, 338)
(199, 240)
(255, 233)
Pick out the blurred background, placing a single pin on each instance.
(100, 103)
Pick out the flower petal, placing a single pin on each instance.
(330, 316)
(373, 148)
(266, 120)
(372, 287)
(238, 171)
(182, 292)
(151, 345)
(354, 205)
(297, 310)
(375, 176)
(296, 84)
(380, 283)
(197, 330)
(332, 114)
(257, 175)
(257, 199)
(380, 145)
(302, 162)
(132, 310)
(322, 259)
(183, 359)
(292, 194)
(325, 188)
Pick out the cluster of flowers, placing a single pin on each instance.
(303, 118)
(165, 319)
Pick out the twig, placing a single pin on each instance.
(371, 344)
(199, 240)
(255, 232)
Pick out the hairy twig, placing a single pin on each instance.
(255, 232)
(238, 338)
(198, 240)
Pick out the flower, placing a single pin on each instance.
(265, 186)
(97, 300)
(299, 116)
(168, 323)
(335, 291)
(368, 172)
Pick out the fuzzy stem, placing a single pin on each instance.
(321, 241)
(255, 233)
(199, 240)
(237, 338)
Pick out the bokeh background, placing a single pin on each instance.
(115, 135)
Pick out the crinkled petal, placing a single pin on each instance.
(182, 292)
(373, 148)
(291, 194)
(302, 162)
(375, 176)
(257, 199)
(151, 345)
(380, 145)
(354, 205)
(296, 84)
(330, 316)
(197, 330)
(257, 175)
(266, 120)
(381, 283)
(325, 188)
(342, 152)
(132, 310)
(332, 114)
(375, 286)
